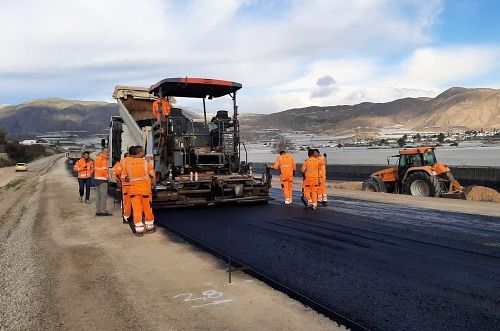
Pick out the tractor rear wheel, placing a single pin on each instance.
(374, 184)
(422, 184)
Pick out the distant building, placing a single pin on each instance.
(28, 142)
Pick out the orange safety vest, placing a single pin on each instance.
(120, 174)
(322, 166)
(165, 108)
(101, 167)
(310, 168)
(84, 168)
(286, 164)
(138, 173)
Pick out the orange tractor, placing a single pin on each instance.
(418, 173)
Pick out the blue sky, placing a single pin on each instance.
(289, 53)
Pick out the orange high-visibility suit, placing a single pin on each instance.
(286, 164)
(310, 170)
(118, 171)
(101, 167)
(139, 173)
(85, 168)
(322, 195)
(165, 108)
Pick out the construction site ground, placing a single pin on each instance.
(63, 268)
(389, 262)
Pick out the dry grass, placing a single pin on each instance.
(353, 186)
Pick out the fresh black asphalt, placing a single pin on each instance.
(385, 266)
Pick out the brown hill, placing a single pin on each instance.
(49, 115)
(456, 107)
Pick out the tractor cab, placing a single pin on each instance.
(415, 157)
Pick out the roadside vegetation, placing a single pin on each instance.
(16, 152)
(283, 144)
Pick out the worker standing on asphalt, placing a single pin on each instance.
(125, 185)
(85, 168)
(101, 176)
(286, 163)
(310, 172)
(140, 174)
(322, 194)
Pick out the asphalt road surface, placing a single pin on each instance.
(385, 266)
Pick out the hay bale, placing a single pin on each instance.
(481, 193)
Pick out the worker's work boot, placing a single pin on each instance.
(125, 219)
(314, 207)
(139, 229)
(87, 202)
(81, 199)
(150, 227)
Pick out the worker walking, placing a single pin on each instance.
(322, 194)
(310, 172)
(286, 163)
(140, 174)
(85, 168)
(124, 185)
(101, 176)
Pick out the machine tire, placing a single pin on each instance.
(422, 184)
(374, 184)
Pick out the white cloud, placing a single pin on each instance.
(424, 73)
(82, 48)
(438, 67)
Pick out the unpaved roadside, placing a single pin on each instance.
(67, 269)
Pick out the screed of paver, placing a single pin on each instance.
(105, 278)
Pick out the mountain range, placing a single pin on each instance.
(476, 108)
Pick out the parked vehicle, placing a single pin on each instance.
(21, 167)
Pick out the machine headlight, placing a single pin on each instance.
(239, 190)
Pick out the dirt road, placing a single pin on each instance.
(63, 268)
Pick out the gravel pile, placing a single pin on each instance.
(481, 193)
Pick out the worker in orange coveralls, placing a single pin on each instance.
(310, 172)
(322, 194)
(286, 163)
(140, 174)
(125, 186)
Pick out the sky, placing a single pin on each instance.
(287, 54)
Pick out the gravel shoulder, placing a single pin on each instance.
(65, 269)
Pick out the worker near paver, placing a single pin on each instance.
(85, 168)
(322, 194)
(125, 186)
(310, 173)
(286, 163)
(140, 174)
(101, 176)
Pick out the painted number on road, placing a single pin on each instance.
(213, 297)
